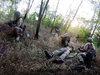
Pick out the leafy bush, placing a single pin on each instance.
(84, 33)
(32, 18)
(59, 21)
(47, 21)
(97, 39)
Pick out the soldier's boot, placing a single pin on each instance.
(49, 54)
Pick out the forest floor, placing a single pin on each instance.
(27, 57)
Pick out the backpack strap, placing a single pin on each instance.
(90, 46)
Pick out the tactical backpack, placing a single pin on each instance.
(90, 56)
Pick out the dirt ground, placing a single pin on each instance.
(27, 57)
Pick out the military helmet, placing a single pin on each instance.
(90, 39)
(17, 15)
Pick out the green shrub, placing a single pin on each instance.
(97, 39)
(84, 33)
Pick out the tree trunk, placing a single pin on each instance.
(38, 27)
(74, 15)
(96, 24)
(67, 11)
(40, 18)
(45, 13)
(44, 8)
(38, 24)
(54, 17)
(94, 29)
(53, 25)
(28, 8)
(92, 20)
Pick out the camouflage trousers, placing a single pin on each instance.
(81, 57)
(18, 33)
(63, 52)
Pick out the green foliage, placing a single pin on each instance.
(97, 38)
(11, 13)
(7, 9)
(74, 29)
(59, 21)
(45, 43)
(84, 33)
(2, 17)
(47, 21)
(32, 18)
(7, 12)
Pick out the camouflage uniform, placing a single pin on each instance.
(86, 47)
(88, 56)
(65, 39)
(19, 30)
(64, 52)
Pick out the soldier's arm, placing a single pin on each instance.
(84, 49)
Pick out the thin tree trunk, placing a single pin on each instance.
(45, 13)
(92, 20)
(94, 29)
(38, 24)
(38, 27)
(67, 11)
(40, 17)
(96, 24)
(74, 15)
(28, 8)
(54, 17)
(15, 6)
(53, 25)
(44, 8)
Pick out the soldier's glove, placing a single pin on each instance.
(79, 48)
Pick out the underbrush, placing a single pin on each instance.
(27, 57)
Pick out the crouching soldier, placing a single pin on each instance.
(17, 26)
(19, 30)
(89, 53)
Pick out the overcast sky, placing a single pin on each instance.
(84, 11)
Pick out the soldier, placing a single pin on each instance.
(18, 25)
(14, 22)
(19, 29)
(65, 39)
(88, 53)
(57, 30)
(62, 52)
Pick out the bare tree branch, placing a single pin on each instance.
(54, 16)
(28, 8)
(74, 14)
